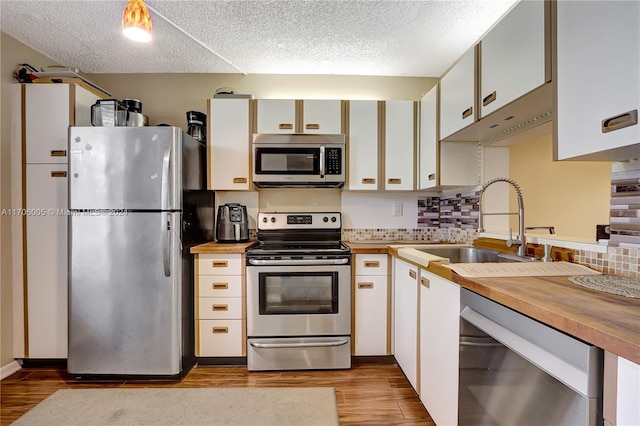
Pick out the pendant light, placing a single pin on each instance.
(136, 21)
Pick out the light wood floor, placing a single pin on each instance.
(366, 394)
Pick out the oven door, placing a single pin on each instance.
(287, 163)
(305, 300)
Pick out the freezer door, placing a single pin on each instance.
(135, 168)
(125, 294)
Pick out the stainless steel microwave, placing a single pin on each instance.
(298, 160)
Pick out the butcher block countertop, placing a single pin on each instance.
(213, 247)
(380, 246)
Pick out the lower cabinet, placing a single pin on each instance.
(439, 347)
(621, 391)
(405, 319)
(220, 312)
(371, 305)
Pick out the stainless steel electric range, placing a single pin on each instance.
(299, 293)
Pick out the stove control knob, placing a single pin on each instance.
(333, 219)
(273, 219)
(325, 219)
(264, 220)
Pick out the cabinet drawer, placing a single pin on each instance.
(221, 308)
(371, 264)
(220, 286)
(220, 264)
(221, 338)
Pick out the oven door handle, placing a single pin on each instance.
(299, 345)
(296, 262)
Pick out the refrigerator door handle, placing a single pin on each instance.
(164, 201)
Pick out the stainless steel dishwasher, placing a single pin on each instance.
(515, 370)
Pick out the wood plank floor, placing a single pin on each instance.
(367, 394)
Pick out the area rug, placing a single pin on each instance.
(201, 406)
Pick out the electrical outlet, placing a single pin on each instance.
(397, 209)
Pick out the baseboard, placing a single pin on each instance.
(9, 369)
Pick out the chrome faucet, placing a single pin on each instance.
(521, 242)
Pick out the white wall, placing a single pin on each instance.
(363, 210)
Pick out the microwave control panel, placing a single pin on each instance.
(333, 161)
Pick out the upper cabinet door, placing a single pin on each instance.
(229, 142)
(48, 115)
(399, 148)
(363, 145)
(597, 80)
(512, 58)
(457, 95)
(322, 116)
(428, 164)
(276, 116)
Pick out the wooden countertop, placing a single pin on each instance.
(215, 247)
(606, 320)
(380, 247)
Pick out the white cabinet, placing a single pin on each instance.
(621, 391)
(597, 80)
(291, 116)
(47, 112)
(371, 307)
(439, 347)
(457, 95)
(399, 145)
(364, 153)
(512, 59)
(445, 163)
(229, 144)
(220, 312)
(405, 319)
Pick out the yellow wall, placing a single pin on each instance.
(573, 196)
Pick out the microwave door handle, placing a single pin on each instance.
(322, 162)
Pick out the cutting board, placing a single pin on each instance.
(520, 269)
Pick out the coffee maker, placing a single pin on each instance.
(232, 223)
(197, 125)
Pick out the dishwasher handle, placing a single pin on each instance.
(299, 345)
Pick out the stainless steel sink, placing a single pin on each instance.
(472, 254)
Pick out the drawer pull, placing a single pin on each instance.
(372, 264)
(369, 181)
(621, 121)
(365, 285)
(219, 307)
(467, 112)
(432, 176)
(489, 98)
(58, 174)
(285, 126)
(220, 286)
(394, 181)
(425, 282)
(58, 152)
(219, 330)
(312, 126)
(412, 274)
(240, 180)
(220, 263)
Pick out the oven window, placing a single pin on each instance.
(287, 160)
(290, 293)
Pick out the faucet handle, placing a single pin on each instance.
(511, 242)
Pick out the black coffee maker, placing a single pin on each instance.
(197, 125)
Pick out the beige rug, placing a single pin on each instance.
(201, 406)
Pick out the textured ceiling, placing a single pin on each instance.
(386, 38)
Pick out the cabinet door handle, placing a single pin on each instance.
(394, 181)
(372, 264)
(425, 282)
(368, 180)
(489, 98)
(412, 274)
(240, 180)
(621, 121)
(219, 307)
(216, 330)
(220, 286)
(312, 126)
(285, 126)
(467, 112)
(220, 263)
(432, 176)
(365, 285)
(58, 174)
(58, 152)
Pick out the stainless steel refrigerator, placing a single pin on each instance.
(137, 203)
